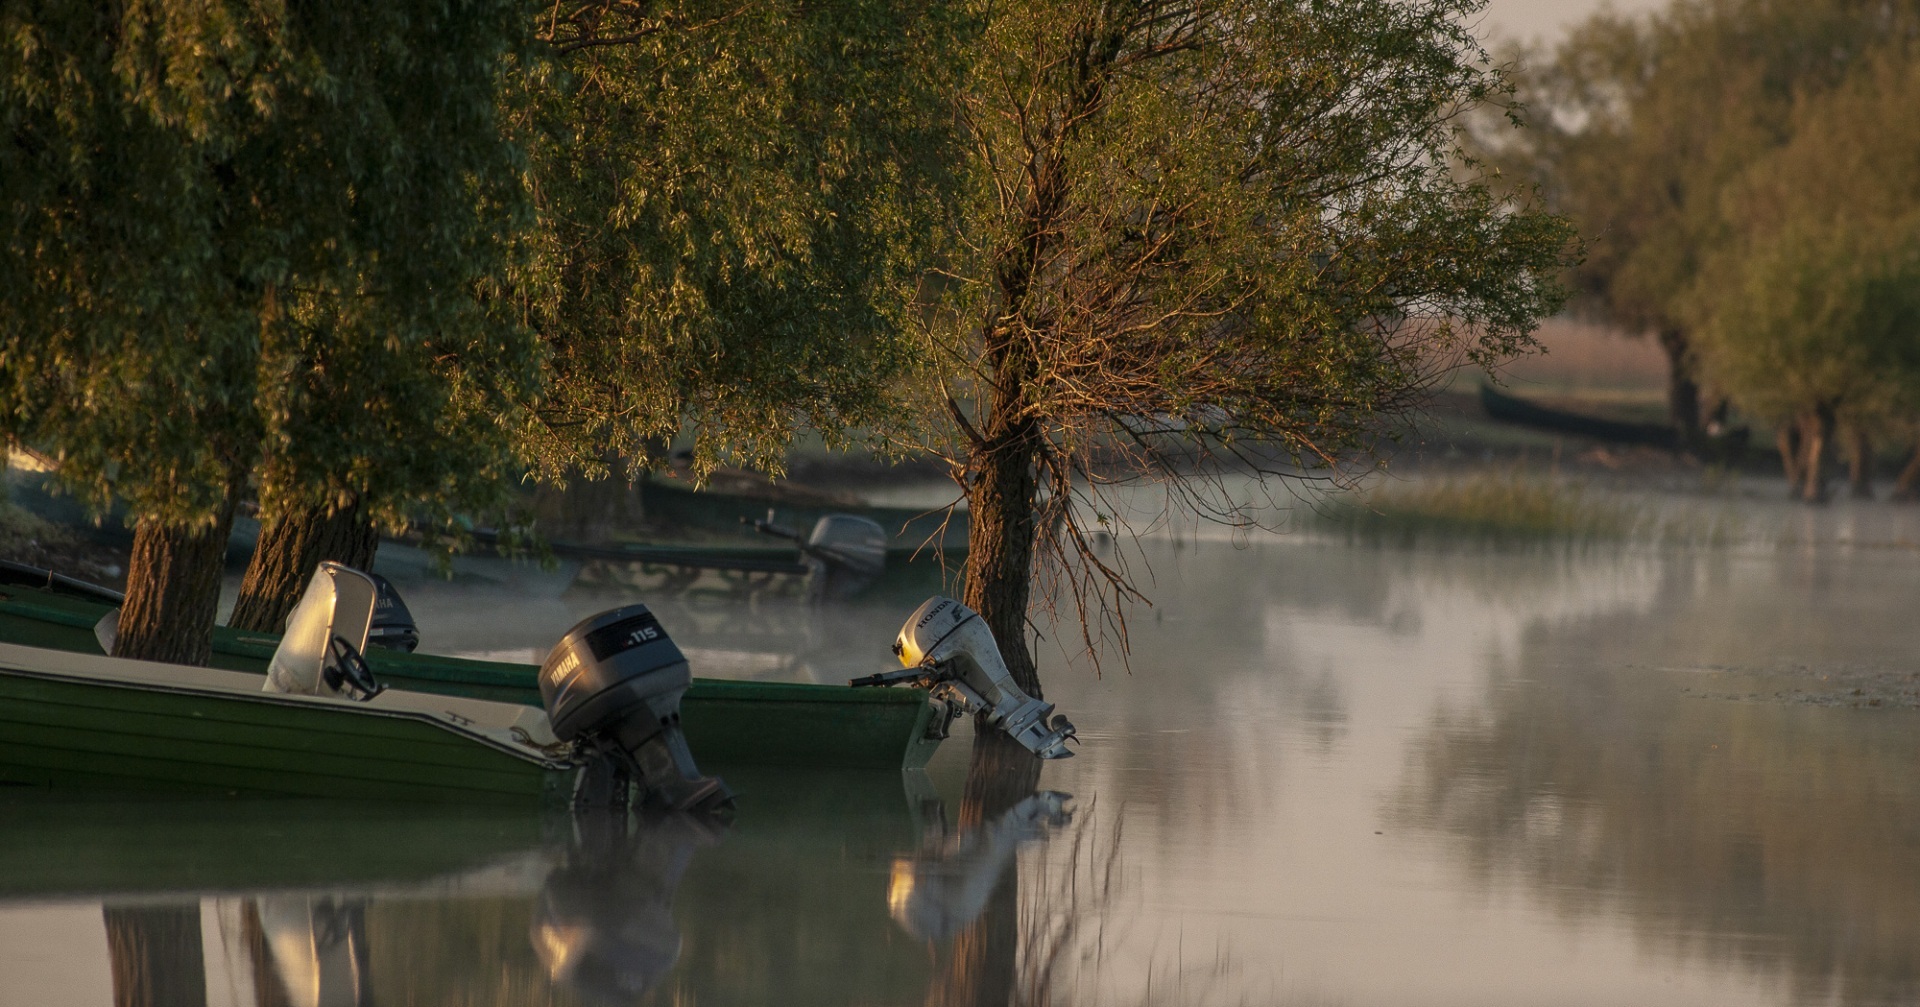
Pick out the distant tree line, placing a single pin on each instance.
(1747, 174)
(371, 265)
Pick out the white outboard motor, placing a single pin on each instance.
(946, 647)
(320, 655)
(614, 682)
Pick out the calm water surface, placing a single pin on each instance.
(1333, 775)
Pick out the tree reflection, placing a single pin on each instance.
(979, 971)
(1724, 829)
(155, 955)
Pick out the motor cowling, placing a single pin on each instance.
(392, 627)
(953, 653)
(614, 682)
(843, 556)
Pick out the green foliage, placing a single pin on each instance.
(733, 210)
(1641, 122)
(217, 210)
(1243, 217)
(1208, 232)
(1814, 298)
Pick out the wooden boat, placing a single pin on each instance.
(1520, 412)
(726, 722)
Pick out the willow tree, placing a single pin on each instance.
(183, 183)
(1809, 313)
(393, 389)
(1641, 122)
(733, 206)
(1201, 235)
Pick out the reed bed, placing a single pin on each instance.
(1511, 508)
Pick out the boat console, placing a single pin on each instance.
(320, 654)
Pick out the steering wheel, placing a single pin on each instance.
(346, 671)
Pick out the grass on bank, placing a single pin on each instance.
(1509, 508)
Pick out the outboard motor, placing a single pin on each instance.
(843, 554)
(320, 654)
(947, 648)
(614, 682)
(393, 627)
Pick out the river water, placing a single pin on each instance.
(1330, 774)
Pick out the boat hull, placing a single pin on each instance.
(726, 722)
(70, 721)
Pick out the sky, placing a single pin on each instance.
(1545, 20)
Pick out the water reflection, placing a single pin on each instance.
(1332, 775)
(603, 922)
(935, 895)
(308, 950)
(1721, 805)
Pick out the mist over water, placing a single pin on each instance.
(1331, 774)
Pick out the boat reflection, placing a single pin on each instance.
(308, 950)
(603, 922)
(936, 895)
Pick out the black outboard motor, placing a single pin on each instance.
(393, 627)
(615, 682)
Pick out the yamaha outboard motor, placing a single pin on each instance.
(614, 683)
(393, 627)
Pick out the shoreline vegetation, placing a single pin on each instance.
(1508, 507)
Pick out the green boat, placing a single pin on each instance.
(726, 722)
(80, 720)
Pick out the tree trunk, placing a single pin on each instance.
(155, 956)
(173, 590)
(1819, 433)
(981, 969)
(1683, 393)
(1000, 502)
(1787, 439)
(1859, 463)
(1906, 485)
(291, 546)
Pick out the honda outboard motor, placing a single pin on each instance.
(317, 948)
(393, 627)
(320, 654)
(947, 648)
(614, 682)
